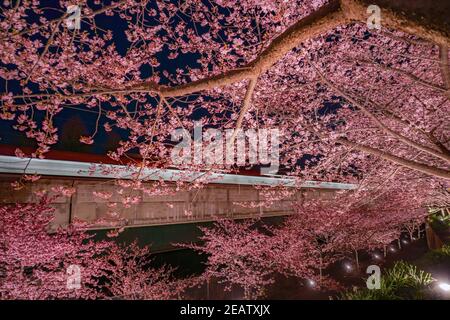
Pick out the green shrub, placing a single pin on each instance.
(402, 281)
(439, 255)
(439, 220)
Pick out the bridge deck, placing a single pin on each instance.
(227, 195)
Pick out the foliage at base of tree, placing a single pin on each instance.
(441, 255)
(439, 221)
(68, 264)
(403, 281)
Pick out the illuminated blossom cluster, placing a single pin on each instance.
(343, 95)
(37, 263)
(358, 105)
(321, 232)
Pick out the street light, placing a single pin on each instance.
(348, 267)
(444, 286)
(311, 283)
(376, 256)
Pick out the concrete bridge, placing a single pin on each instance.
(226, 195)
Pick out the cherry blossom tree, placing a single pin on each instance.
(365, 219)
(282, 64)
(320, 233)
(131, 276)
(250, 255)
(68, 263)
(355, 104)
(34, 262)
(238, 254)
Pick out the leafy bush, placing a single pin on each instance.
(439, 220)
(439, 255)
(403, 281)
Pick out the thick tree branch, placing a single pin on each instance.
(329, 16)
(428, 135)
(245, 106)
(444, 65)
(437, 172)
(379, 123)
(423, 19)
(324, 19)
(411, 76)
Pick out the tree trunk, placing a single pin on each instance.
(320, 269)
(357, 259)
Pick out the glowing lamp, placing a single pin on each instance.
(444, 286)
